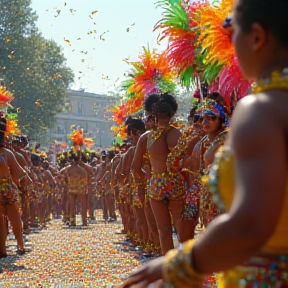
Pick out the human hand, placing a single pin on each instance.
(145, 275)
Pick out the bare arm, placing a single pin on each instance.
(137, 162)
(234, 237)
(17, 171)
(172, 137)
(126, 163)
(51, 178)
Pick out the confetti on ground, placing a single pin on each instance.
(68, 257)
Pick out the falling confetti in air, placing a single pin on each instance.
(68, 41)
(101, 36)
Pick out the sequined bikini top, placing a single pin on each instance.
(221, 180)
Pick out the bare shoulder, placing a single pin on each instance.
(83, 170)
(197, 146)
(254, 124)
(173, 136)
(8, 152)
(129, 152)
(144, 136)
(65, 170)
(142, 142)
(173, 132)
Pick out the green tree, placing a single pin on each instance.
(33, 68)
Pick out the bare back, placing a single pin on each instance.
(159, 150)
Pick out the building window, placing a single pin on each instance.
(67, 107)
(60, 129)
(80, 108)
(95, 109)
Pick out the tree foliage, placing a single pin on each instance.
(33, 68)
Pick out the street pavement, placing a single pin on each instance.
(60, 257)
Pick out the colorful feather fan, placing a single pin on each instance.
(12, 128)
(5, 98)
(151, 74)
(76, 137)
(231, 82)
(181, 33)
(213, 38)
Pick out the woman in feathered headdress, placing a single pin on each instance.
(11, 173)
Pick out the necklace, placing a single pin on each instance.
(277, 80)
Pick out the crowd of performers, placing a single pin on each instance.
(158, 180)
(153, 179)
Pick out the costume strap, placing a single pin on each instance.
(156, 133)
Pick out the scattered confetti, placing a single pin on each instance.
(63, 257)
(11, 55)
(37, 103)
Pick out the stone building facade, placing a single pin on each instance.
(87, 111)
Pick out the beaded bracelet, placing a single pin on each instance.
(178, 267)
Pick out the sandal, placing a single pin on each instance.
(20, 252)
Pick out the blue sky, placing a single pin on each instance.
(98, 64)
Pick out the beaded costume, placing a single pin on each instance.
(8, 194)
(168, 185)
(267, 269)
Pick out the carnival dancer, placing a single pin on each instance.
(50, 184)
(90, 172)
(108, 193)
(101, 170)
(122, 191)
(77, 189)
(15, 148)
(249, 178)
(114, 182)
(23, 146)
(135, 128)
(39, 209)
(62, 184)
(190, 213)
(154, 241)
(11, 173)
(166, 189)
(214, 116)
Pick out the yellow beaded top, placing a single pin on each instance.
(278, 80)
(278, 243)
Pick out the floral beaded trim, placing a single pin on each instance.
(213, 177)
(278, 80)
